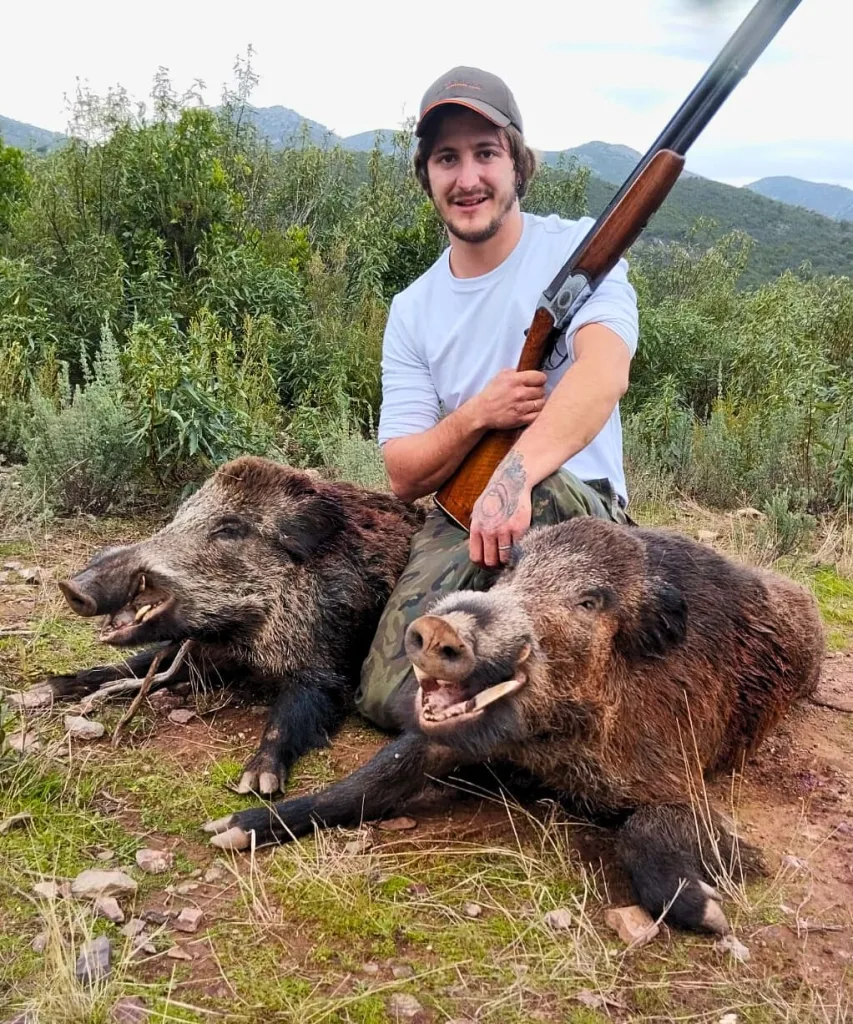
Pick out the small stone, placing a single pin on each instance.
(185, 888)
(130, 1010)
(80, 728)
(794, 863)
(13, 566)
(403, 1006)
(52, 890)
(214, 874)
(133, 928)
(748, 513)
(154, 862)
(729, 944)
(196, 874)
(177, 953)
(258, 709)
(370, 969)
(559, 920)
(93, 964)
(155, 916)
(39, 942)
(107, 906)
(402, 824)
(360, 845)
(93, 883)
(634, 925)
(472, 910)
(23, 742)
(31, 574)
(728, 1018)
(163, 700)
(22, 820)
(401, 971)
(180, 716)
(417, 889)
(707, 536)
(188, 920)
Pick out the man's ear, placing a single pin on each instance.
(660, 625)
(313, 522)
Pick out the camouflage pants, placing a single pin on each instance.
(439, 564)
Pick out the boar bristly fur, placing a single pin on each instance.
(279, 578)
(617, 666)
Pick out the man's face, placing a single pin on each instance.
(471, 175)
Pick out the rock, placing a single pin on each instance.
(188, 920)
(729, 944)
(472, 910)
(31, 574)
(707, 536)
(180, 716)
(596, 1000)
(106, 855)
(178, 953)
(92, 883)
(370, 969)
(80, 728)
(417, 889)
(748, 513)
(163, 700)
(39, 942)
(155, 916)
(185, 888)
(52, 890)
(133, 928)
(130, 1010)
(728, 1018)
(154, 862)
(400, 971)
(402, 824)
(793, 863)
(359, 845)
(93, 964)
(107, 906)
(196, 873)
(634, 925)
(402, 1006)
(214, 874)
(23, 742)
(560, 920)
(22, 820)
(13, 566)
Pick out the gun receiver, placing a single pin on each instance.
(614, 232)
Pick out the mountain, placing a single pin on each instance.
(283, 127)
(606, 161)
(27, 136)
(832, 201)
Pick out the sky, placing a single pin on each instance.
(612, 70)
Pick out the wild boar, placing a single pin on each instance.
(279, 579)
(616, 665)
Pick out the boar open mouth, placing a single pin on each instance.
(441, 701)
(147, 604)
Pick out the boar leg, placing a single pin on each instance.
(91, 679)
(310, 705)
(401, 771)
(670, 856)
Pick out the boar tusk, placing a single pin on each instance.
(142, 612)
(486, 697)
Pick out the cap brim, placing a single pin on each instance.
(486, 109)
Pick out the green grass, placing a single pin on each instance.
(835, 597)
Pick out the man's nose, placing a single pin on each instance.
(468, 176)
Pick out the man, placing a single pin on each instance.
(451, 346)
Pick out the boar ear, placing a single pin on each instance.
(313, 521)
(660, 625)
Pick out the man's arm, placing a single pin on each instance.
(576, 411)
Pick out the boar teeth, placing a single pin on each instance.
(477, 702)
(142, 612)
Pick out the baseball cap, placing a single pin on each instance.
(478, 90)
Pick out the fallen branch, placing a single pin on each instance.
(134, 683)
(138, 699)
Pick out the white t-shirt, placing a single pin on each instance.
(446, 337)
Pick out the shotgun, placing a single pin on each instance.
(613, 233)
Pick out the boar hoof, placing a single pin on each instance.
(269, 783)
(234, 839)
(248, 783)
(265, 783)
(713, 919)
(218, 824)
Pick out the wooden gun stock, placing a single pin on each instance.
(594, 258)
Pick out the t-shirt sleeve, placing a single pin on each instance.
(409, 401)
(613, 304)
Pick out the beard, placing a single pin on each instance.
(478, 235)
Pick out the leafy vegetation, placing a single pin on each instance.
(174, 291)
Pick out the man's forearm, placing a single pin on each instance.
(420, 463)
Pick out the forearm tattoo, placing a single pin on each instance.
(500, 498)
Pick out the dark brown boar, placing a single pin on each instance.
(618, 666)
(280, 579)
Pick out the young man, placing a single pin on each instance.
(451, 346)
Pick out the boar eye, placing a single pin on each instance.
(590, 604)
(230, 529)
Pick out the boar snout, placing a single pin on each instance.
(437, 649)
(78, 601)
(104, 586)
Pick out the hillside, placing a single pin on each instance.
(27, 136)
(606, 160)
(832, 201)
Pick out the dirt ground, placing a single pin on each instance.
(794, 800)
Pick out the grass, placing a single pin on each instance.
(287, 934)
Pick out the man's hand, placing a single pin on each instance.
(512, 398)
(502, 513)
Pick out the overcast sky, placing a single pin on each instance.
(614, 70)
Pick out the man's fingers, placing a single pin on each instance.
(531, 378)
(475, 547)
(504, 547)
